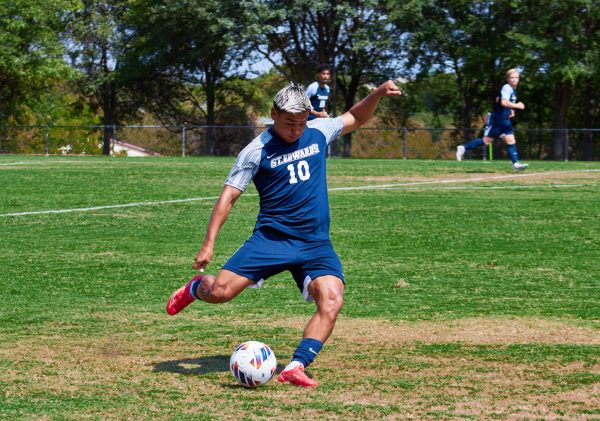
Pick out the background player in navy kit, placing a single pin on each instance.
(318, 93)
(499, 124)
(287, 164)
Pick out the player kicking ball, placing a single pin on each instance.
(287, 164)
(499, 125)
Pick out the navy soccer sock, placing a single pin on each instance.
(193, 287)
(307, 350)
(475, 143)
(512, 152)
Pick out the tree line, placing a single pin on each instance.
(114, 62)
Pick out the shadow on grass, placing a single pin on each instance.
(198, 366)
(191, 366)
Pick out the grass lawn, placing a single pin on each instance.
(472, 293)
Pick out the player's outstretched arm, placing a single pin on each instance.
(507, 104)
(219, 215)
(363, 110)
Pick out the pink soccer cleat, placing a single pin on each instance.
(296, 376)
(182, 297)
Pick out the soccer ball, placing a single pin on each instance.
(253, 364)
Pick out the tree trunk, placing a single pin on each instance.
(466, 104)
(349, 95)
(347, 145)
(467, 116)
(562, 94)
(108, 120)
(334, 149)
(588, 143)
(109, 100)
(209, 147)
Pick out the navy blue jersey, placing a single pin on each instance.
(290, 179)
(501, 113)
(318, 95)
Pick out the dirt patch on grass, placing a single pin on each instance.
(370, 369)
(474, 331)
(523, 178)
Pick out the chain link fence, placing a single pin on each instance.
(391, 143)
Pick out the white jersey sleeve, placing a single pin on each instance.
(247, 163)
(330, 127)
(506, 92)
(312, 89)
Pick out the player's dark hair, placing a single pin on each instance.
(323, 66)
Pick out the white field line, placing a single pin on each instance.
(369, 187)
(5, 164)
(124, 205)
(512, 186)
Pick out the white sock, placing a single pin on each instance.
(293, 365)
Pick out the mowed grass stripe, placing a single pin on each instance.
(478, 305)
(368, 187)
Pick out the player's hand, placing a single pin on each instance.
(202, 259)
(389, 88)
(512, 114)
(521, 105)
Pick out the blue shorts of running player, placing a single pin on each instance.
(267, 253)
(497, 130)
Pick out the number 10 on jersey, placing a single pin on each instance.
(302, 170)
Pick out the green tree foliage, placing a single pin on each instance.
(559, 46)
(426, 103)
(31, 59)
(95, 43)
(295, 36)
(554, 43)
(354, 37)
(179, 55)
(186, 61)
(462, 38)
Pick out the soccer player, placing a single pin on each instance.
(287, 164)
(318, 93)
(498, 123)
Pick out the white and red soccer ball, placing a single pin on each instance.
(253, 363)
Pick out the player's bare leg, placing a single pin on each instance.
(222, 288)
(328, 293)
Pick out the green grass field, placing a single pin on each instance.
(471, 293)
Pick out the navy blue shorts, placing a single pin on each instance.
(266, 253)
(496, 130)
